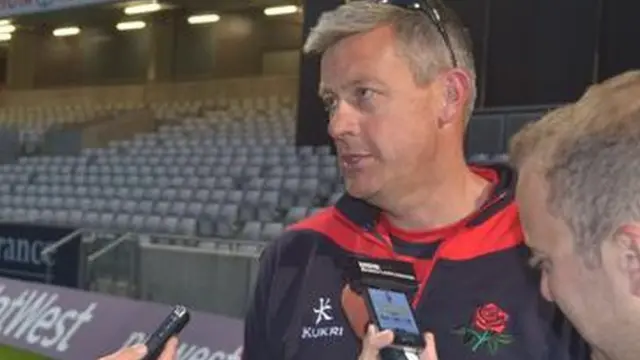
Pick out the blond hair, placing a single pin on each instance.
(589, 154)
(419, 41)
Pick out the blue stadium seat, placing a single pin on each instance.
(153, 224)
(226, 220)
(194, 210)
(123, 222)
(251, 202)
(178, 209)
(295, 214)
(271, 231)
(187, 226)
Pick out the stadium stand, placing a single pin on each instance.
(220, 173)
(490, 129)
(32, 123)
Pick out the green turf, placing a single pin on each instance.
(8, 353)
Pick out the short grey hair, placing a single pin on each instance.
(418, 38)
(589, 155)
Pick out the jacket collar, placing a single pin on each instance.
(365, 215)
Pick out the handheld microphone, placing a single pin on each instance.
(170, 326)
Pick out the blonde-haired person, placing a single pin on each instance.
(579, 197)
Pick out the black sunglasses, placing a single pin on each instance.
(429, 8)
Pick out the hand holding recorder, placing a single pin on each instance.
(377, 296)
(162, 344)
(376, 340)
(138, 352)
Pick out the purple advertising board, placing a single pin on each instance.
(68, 324)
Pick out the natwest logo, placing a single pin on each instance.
(36, 318)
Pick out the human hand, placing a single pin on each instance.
(137, 352)
(376, 340)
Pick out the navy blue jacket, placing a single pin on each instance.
(478, 294)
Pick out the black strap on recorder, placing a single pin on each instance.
(395, 275)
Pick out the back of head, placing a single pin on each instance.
(589, 154)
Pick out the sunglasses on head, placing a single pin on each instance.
(429, 8)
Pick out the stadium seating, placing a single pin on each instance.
(489, 131)
(231, 173)
(33, 122)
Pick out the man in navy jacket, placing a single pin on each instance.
(398, 80)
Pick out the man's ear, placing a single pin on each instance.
(457, 90)
(627, 245)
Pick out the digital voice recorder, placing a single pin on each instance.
(172, 325)
(391, 310)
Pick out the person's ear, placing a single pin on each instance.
(626, 240)
(456, 93)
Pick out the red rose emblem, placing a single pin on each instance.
(491, 318)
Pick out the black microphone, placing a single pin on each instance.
(172, 325)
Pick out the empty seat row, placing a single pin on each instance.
(251, 205)
(52, 160)
(489, 158)
(219, 126)
(122, 222)
(271, 127)
(232, 136)
(188, 176)
(249, 150)
(239, 141)
(258, 231)
(97, 186)
(163, 165)
(298, 213)
(290, 187)
(182, 158)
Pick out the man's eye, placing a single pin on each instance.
(364, 94)
(330, 104)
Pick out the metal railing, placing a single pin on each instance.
(215, 275)
(49, 252)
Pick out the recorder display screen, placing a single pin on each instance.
(393, 310)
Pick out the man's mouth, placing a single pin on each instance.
(352, 161)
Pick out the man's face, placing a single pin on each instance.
(585, 293)
(384, 124)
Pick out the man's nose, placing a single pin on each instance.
(343, 121)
